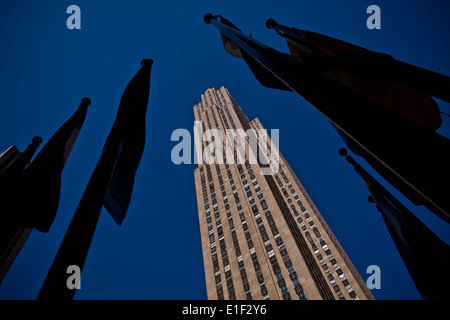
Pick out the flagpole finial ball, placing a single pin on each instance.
(207, 18)
(37, 140)
(146, 61)
(269, 23)
(85, 102)
(342, 152)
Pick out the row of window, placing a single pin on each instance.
(241, 216)
(233, 235)
(266, 149)
(248, 238)
(223, 250)
(282, 249)
(310, 240)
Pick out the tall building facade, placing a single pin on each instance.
(262, 236)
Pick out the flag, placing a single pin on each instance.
(37, 193)
(12, 173)
(361, 60)
(264, 76)
(375, 75)
(129, 131)
(393, 179)
(403, 148)
(422, 251)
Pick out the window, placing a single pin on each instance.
(290, 269)
(264, 204)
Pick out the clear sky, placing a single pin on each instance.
(156, 254)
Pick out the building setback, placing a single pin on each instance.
(262, 236)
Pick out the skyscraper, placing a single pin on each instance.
(13, 237)
(262, 236)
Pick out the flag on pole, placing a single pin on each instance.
(403, 149)
(377, 76)
(129, 131)
(362, 60)
(110, 185)
(37, 193)
(264, 76)
(422, 251)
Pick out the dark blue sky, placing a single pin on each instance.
(46, 69)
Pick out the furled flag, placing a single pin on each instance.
(37, 193)
(110, 185)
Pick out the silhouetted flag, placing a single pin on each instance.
(110, 185)
(399, 143)
(393, 179)
(375, 75)
(128, 131)
(378, 64)
(423, 253)
(37, 193)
